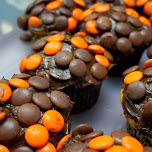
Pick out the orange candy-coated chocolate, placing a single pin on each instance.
(53, 121)
(36, 136)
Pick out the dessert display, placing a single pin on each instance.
(136, 101)
(83, 138)
(119, 30)
(76, 65)
(31, 114)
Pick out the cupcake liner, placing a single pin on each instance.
(84, 97)
(136, 133)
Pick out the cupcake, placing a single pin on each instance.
(73, 66)
(43, 16)
(136, 102)
(31, 114)
(83, 138)
(119, 31)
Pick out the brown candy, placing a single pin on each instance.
(119, 8)
(90, 150)
(124, 45)
(131, 69)
(148, 72)
(149, 52)
(109, 56)
(41, 100)
(63, 58)
(39, 44)
(37, 10)
(136, 90)
(91, 17)
(104, 23)
(108, 39)
(9, 130)
(22, 22)
(147, 149)
(119, 17)
(21, 96)
(47, 18)
(68, 3)
(136, 38)
(39, 83)
(28, 114)
(21, 76)
(82, 129)
(118, 135)
(147, 111)
(90, 40)
(61, 19)
(91, 135)
(76, 147)
(25, 37)
(78, 68)
(65, 11)
(23, 149)
(147, 35)
(134, 21)
(122, 28)
(61, 100)
(83, 55)
(99, 71)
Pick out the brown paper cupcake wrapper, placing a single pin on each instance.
(83, 97)
(136, 134)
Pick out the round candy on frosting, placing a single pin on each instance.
(28, 114)
(63, 58)
(60, 100)
(23, 149)
(9, 130)
(136, 90)
(78, 68)
(21, 96)
(147, 111)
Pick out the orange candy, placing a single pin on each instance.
(56, 37)
(77, 12)
(36, 136)
(148, 63)
(7, 92)
(33, 20)
(19, 83)
(101, 143)
(129, 3)
(148, 8)
(81, 34)
(53, 121)
(85, 14)
(49, 147)
(79, 42)
(117, 149)
(102, 60)
(52, 47)
(140, 3)
(33, 62)
(133, 76)
(132, 144)
(132, 12)
(62, 141)
(23, 64)
(80, 3)
(95, 5)
(3, 148)
(72, 24)
(96, 49)
(53, 5)
(102, 9)
(144, 20)
(90, 27)
(2, 116)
